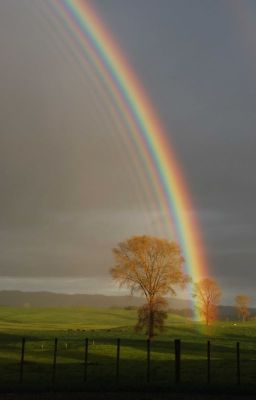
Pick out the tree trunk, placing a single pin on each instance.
(151, 321)
(207, 314)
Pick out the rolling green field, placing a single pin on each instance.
(102, 327)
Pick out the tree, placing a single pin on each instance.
(208, 294)
(150, 266)
(242, 303)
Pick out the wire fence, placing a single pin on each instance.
(77, 364)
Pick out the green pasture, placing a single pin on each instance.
(102, 327)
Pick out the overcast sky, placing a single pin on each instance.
(68, 188)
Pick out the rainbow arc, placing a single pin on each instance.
(148, 134)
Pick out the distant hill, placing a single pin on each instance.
(50, 299)
(13, 298)
(230, 313)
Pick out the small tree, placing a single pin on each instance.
(242, 303)
(208, 294)
(150, 266)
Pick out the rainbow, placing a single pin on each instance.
(147, 132)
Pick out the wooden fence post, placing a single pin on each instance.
(85, 358)
(148, 360)
(238, 375)
(117, 359)
(177, 360)
(54, 360)
(22, 359)
(208, 361)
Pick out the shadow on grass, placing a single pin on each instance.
(101, 366)
(101, 375)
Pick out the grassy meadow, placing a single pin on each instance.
(102, 327)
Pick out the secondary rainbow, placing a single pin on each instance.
(147, 132)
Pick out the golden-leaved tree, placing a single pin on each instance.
(242, 304)
(208, 294)
(152, 267)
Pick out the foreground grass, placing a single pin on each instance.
(102, 327)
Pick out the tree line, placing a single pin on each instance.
(153, 267)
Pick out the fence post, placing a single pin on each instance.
(85, 358)
(148, 360)
(22, 359)
(208, 361)
(238, 363)
(54, 360)
(177, 360)
(117, 359)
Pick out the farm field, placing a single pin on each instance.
(102, 327)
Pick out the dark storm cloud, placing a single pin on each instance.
(65, 189)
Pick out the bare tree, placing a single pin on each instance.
(151, 266)
(242, 303)
(208, 294)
